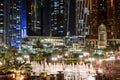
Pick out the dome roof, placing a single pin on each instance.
(102, 27)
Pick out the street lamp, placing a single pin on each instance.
(85, 54)
(59, 56)
(91, 59)
(54, 59)
(27, 58)
(100, 71)
(81, 57)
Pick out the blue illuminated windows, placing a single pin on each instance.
(56, 4)
(1, 30)
(60, 31)
(1, 14)
(61, 26)
(61, 11)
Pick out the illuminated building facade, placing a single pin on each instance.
(34, 17)
(117, 19)
(82, 17)
(58, 16)
(106, 12)
(2, 15)
(13, 21)
(24, 19)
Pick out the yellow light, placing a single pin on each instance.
(111, 3)
(13, 75)
(22, 77)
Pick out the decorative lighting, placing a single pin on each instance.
(19, 58)
(54, 58)
(59, 56)
(1, 63)
(100, 70)
(91, 59)
(85, 54)
(80, 56)
(26, 56)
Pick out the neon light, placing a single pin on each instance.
(23, 31)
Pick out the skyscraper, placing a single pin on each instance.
(58, 18)
(2, 15)
(34, 17)
(13, 22)
(82, 17)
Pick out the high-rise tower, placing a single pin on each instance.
(2, 15)
(12, 26)
(34, 17)
(58, 16)
(82, 24)
(13, 22)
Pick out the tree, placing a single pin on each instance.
(13, 62)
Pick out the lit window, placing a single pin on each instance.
(61, 26)
(61, 11)
(1, 4)
(18, 27)
(1, 14)
(1, 22)
(38, 21)
(1, 9)
(60, 31)
(18, 17)
(61, 7)
(56, 4)
(61, 0)
(1, 31)
(55, 23)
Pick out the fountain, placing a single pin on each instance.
(71, 71)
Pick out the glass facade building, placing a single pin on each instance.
(2, 15)
(58, 16)
(13, 21)
(34, 17)
(82, 17)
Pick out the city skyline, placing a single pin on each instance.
(58, 18)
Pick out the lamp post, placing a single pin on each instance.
(54, 59)
(81, 57)
(59, 58)
(27, 58)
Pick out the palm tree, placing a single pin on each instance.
(13, 64)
